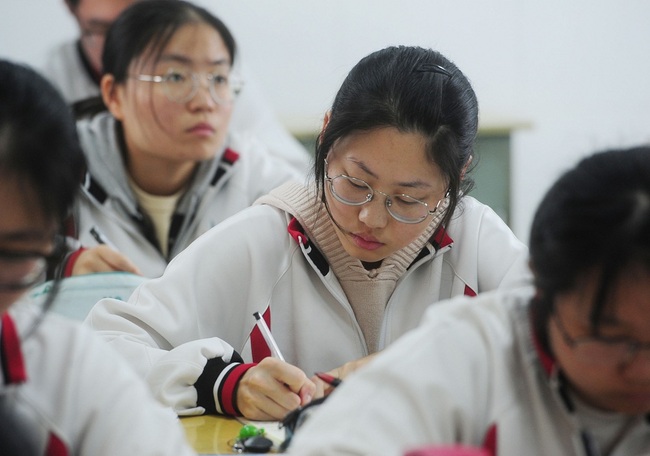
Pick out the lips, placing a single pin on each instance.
(202, 129)
(366, 242)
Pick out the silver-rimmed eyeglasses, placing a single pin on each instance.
(356, 192)
(602, 351)
(181, 86)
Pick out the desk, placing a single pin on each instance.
(210, 434)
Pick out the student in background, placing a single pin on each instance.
(164, 165)
(558, 368)
(340, 267)
(75, 68)
(63, 390)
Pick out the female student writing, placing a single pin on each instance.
(340, 268)
(561, 367)
(163, 163)
(62, 390)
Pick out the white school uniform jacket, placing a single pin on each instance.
(185, 331)
(65, 392)
(233, 180)
(252, 113)
(474, 374)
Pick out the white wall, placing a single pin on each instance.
(574, 73)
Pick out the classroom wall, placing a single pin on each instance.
(570, 76)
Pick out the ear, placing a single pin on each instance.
(112, 94)
(466, 167)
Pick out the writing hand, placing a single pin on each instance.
(342, 372)
(272, 389)
(102, 259)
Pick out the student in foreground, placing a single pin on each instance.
(559, 368)
(63, 390)
(339, 268)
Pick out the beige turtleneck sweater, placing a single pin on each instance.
(368, 291)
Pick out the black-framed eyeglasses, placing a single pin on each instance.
(353, 191)
(22, 270)
(602, 351)
(181, 85)
(296, 418)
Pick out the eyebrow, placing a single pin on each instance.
(188, 61)
(25, 235)
(409, 184)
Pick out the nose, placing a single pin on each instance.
(202, 97)
(374, 213)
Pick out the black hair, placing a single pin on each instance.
(148, 27)
(594, 219)
(38, 139)
(414, 90)
(39, 145)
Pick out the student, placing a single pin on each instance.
(75, 68)
(163, 163)
(341, 267)
(63, 391)
(558, 368)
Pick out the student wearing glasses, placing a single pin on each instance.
(340, 267)
(63, 391)
(558, 368)
(75, 68)
(164, 165)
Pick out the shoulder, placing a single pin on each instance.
(489, 312)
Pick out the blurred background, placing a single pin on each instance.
(555, 80)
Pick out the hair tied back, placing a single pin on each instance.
(432, 68)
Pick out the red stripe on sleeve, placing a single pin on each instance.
(228, 397)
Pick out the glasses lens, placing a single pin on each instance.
(407, 209)
(223, 88)
(179, 85)
(602, 353)
(17, 273)
(349, 190)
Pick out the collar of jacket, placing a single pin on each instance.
(439, 240)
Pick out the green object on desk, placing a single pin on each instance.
(248, 430)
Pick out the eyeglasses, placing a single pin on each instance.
(356, 192)
(21, 270)
(181, 85)
(602, 351)
(295, 418)
(95, 35)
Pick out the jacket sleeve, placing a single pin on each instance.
(178, 331)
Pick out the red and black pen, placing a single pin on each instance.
(329, 379)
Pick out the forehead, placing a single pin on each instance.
(194, 44)
(628, 303)
(101, 11)
(22, 216)
(388, 154)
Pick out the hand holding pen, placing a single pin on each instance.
(104, 257)
(272, 388)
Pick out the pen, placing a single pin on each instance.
(268, 337)
(101, 238)
(329, 379)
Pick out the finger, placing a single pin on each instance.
(116, 261)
